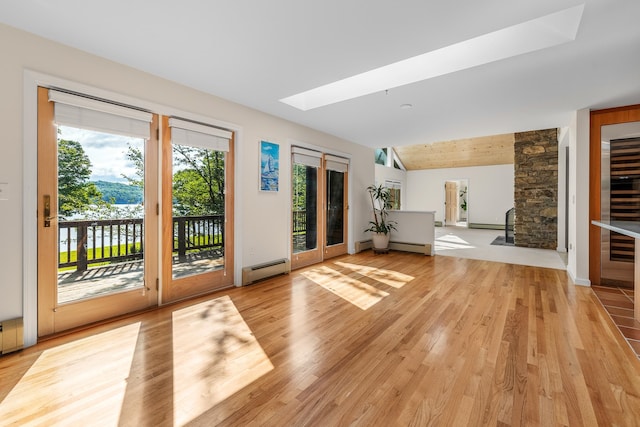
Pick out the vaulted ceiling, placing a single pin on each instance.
(258, 52)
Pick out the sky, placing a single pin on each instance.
(107, 152)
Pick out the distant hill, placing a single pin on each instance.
(119, 193)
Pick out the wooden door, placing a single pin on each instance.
(90, 269)
(451, 202)
(307, 225)
(336, 206)
(197, 209)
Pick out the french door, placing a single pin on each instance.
(197, 193)
(336, 205)
(100, 220)
(319, 206)
(96, 258)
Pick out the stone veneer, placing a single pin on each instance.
(536, 189)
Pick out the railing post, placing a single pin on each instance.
(221, 226)
(182, 239)
(81, 252)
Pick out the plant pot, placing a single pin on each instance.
(380, 241)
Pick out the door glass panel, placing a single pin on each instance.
(100, 214)
(305, 204)
(335, 207)
(198, 210)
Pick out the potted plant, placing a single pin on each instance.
(381, 227)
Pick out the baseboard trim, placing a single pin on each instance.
(578, 281)
(487, 226)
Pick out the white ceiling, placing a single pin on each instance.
(257, 52)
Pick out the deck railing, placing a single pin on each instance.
(299, 222)
(94, 242)
(192, 233)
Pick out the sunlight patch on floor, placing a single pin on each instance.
(391, 278)
(215, 355)
(358, 293)
(63, 374)
(450, 241)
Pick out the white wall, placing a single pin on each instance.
(578, 257)
(563, 144)
(262, 219)
(489, 195)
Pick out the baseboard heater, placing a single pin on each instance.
(11, 335)
(398, 246)
(264, 271)
(363, 245)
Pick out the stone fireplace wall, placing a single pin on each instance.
(536, 189)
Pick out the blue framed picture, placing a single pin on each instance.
(269, 166)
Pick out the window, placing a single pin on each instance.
(388, 157)
(395, 188)
(381, 156)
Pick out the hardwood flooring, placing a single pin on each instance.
(364, 340)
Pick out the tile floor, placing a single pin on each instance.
(475, 243)
(619, 304)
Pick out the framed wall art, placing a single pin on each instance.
(269, 166)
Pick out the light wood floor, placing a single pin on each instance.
(365, 340)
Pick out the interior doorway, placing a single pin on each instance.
(456, 202)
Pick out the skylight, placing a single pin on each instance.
(540, 33)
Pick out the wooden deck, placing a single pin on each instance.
(97, 281)
(124, 276)
(362, 340)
